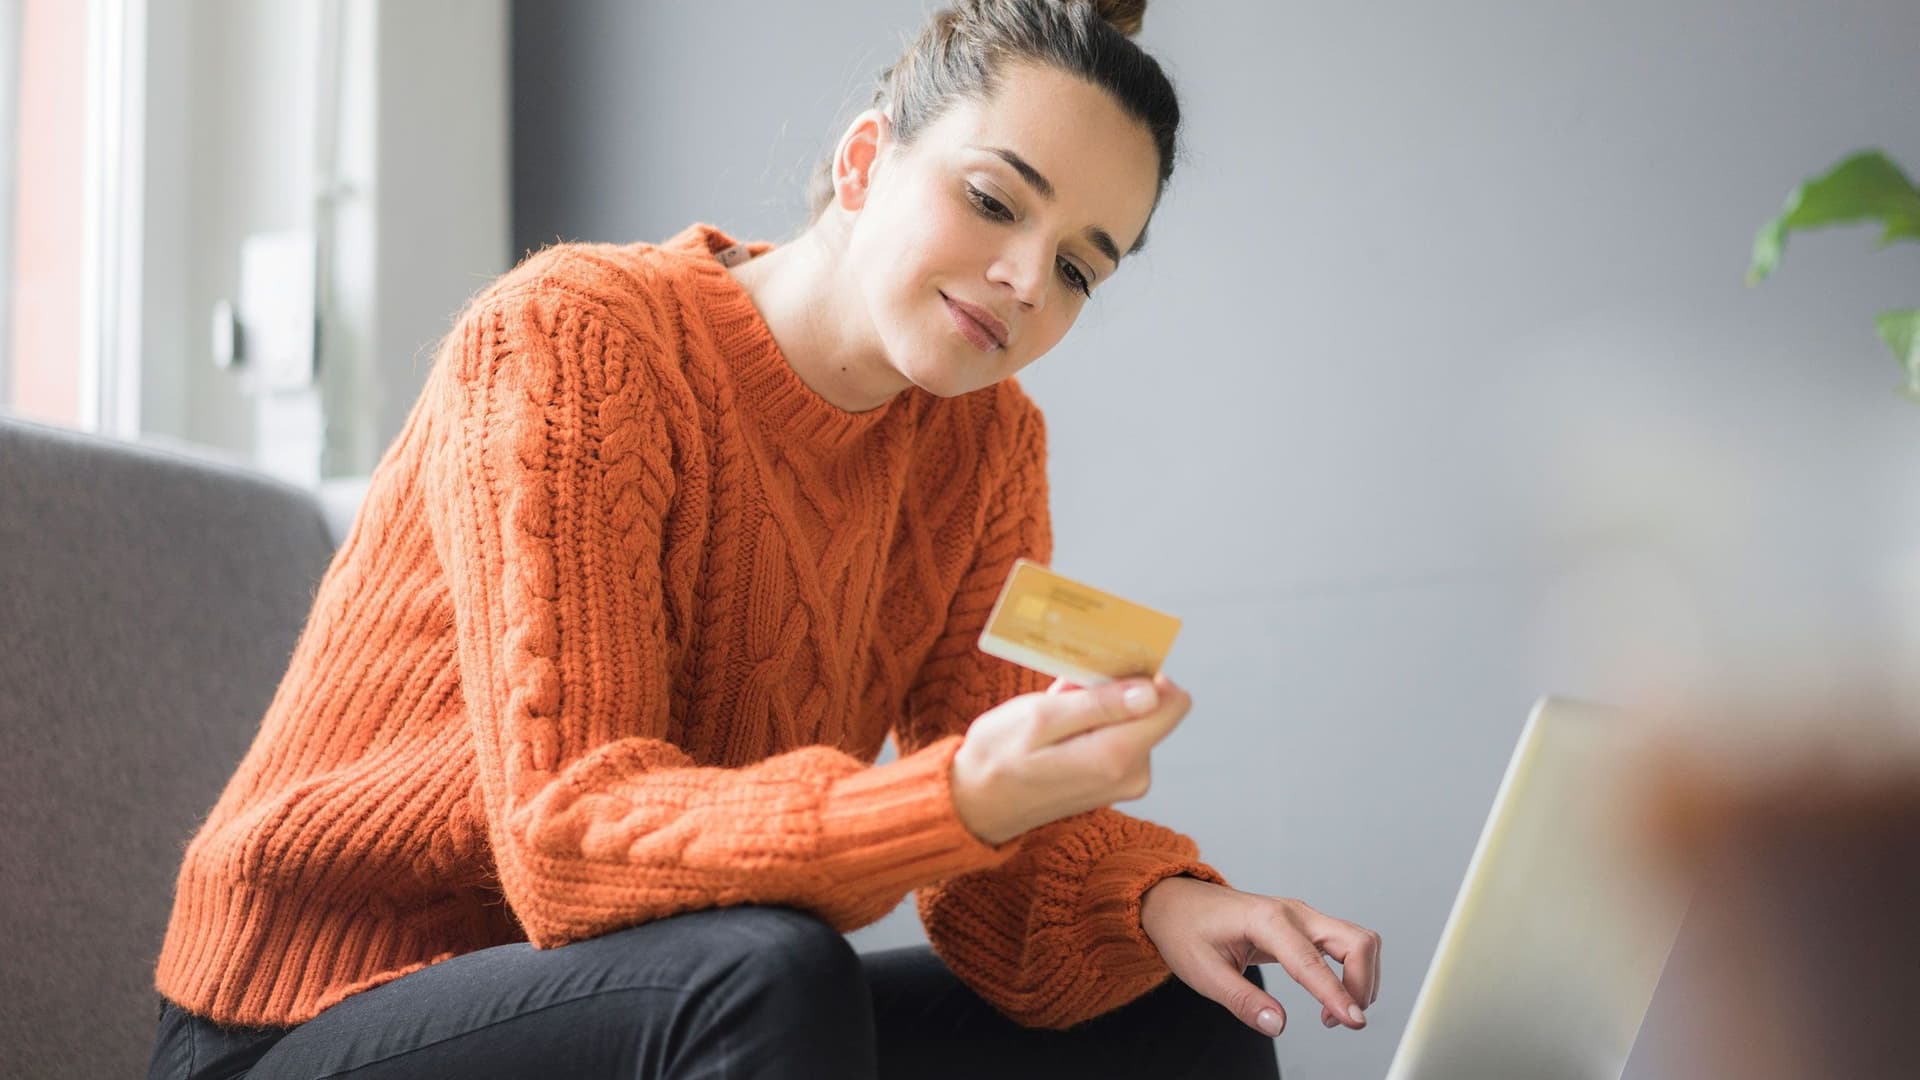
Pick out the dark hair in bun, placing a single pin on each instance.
(963, 49)
(1125, 15)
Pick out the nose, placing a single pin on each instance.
(1023, 267)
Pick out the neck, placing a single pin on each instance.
(819, 322)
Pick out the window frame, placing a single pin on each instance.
(114, 218)
(10, 29)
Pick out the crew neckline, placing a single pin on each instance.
(764, 380)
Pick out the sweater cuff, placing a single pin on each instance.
(1111, 900)
(893, 828)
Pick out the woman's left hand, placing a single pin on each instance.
(1209, 935)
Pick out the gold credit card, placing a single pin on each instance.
(1072, 631)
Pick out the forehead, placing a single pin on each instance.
(1100, 161)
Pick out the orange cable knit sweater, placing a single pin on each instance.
(619, 631)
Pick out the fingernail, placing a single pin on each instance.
(1330, 1022)
(1358, 1016)
(1141, 699)
(1269, 1021)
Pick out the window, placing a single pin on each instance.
(69, 161)
(45, 90)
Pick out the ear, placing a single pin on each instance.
(855, 159)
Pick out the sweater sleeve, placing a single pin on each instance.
(1051, 937)
(548, 486)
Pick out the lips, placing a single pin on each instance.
(982, 318)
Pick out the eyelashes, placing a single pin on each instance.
(989, 205)
(994, 210)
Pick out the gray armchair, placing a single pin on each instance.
(148, 604)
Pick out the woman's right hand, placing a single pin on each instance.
(1043, 756)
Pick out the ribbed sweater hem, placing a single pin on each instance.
(276, 956)
(1117, 945)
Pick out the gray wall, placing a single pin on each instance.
(1437, 390)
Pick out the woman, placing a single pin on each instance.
(572, 770)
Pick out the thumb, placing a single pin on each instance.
(1100, 706)
(1219, 982)
(1061, 686)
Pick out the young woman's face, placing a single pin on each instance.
(954, 220)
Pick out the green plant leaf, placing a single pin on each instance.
(1901, 331)
(1867, 186)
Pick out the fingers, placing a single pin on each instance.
(1373, 995)
(1358, 950)
(1070, 710)
(1302, 960)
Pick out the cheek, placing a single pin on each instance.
(928, 245)
(937, 227)
(1054, 326)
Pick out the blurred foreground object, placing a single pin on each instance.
(1801, 839)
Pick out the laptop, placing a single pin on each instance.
(1550, 956)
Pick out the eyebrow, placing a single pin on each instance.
(1095, 235)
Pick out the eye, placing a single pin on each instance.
(1075, 278)
(988, 205)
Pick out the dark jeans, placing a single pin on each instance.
(739, 993)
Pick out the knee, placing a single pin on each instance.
(790, 947)
(788, 987)
(777, 958)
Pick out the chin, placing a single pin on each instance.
(945, 364)
(935, 383)
(948, 383)
(936, 373)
